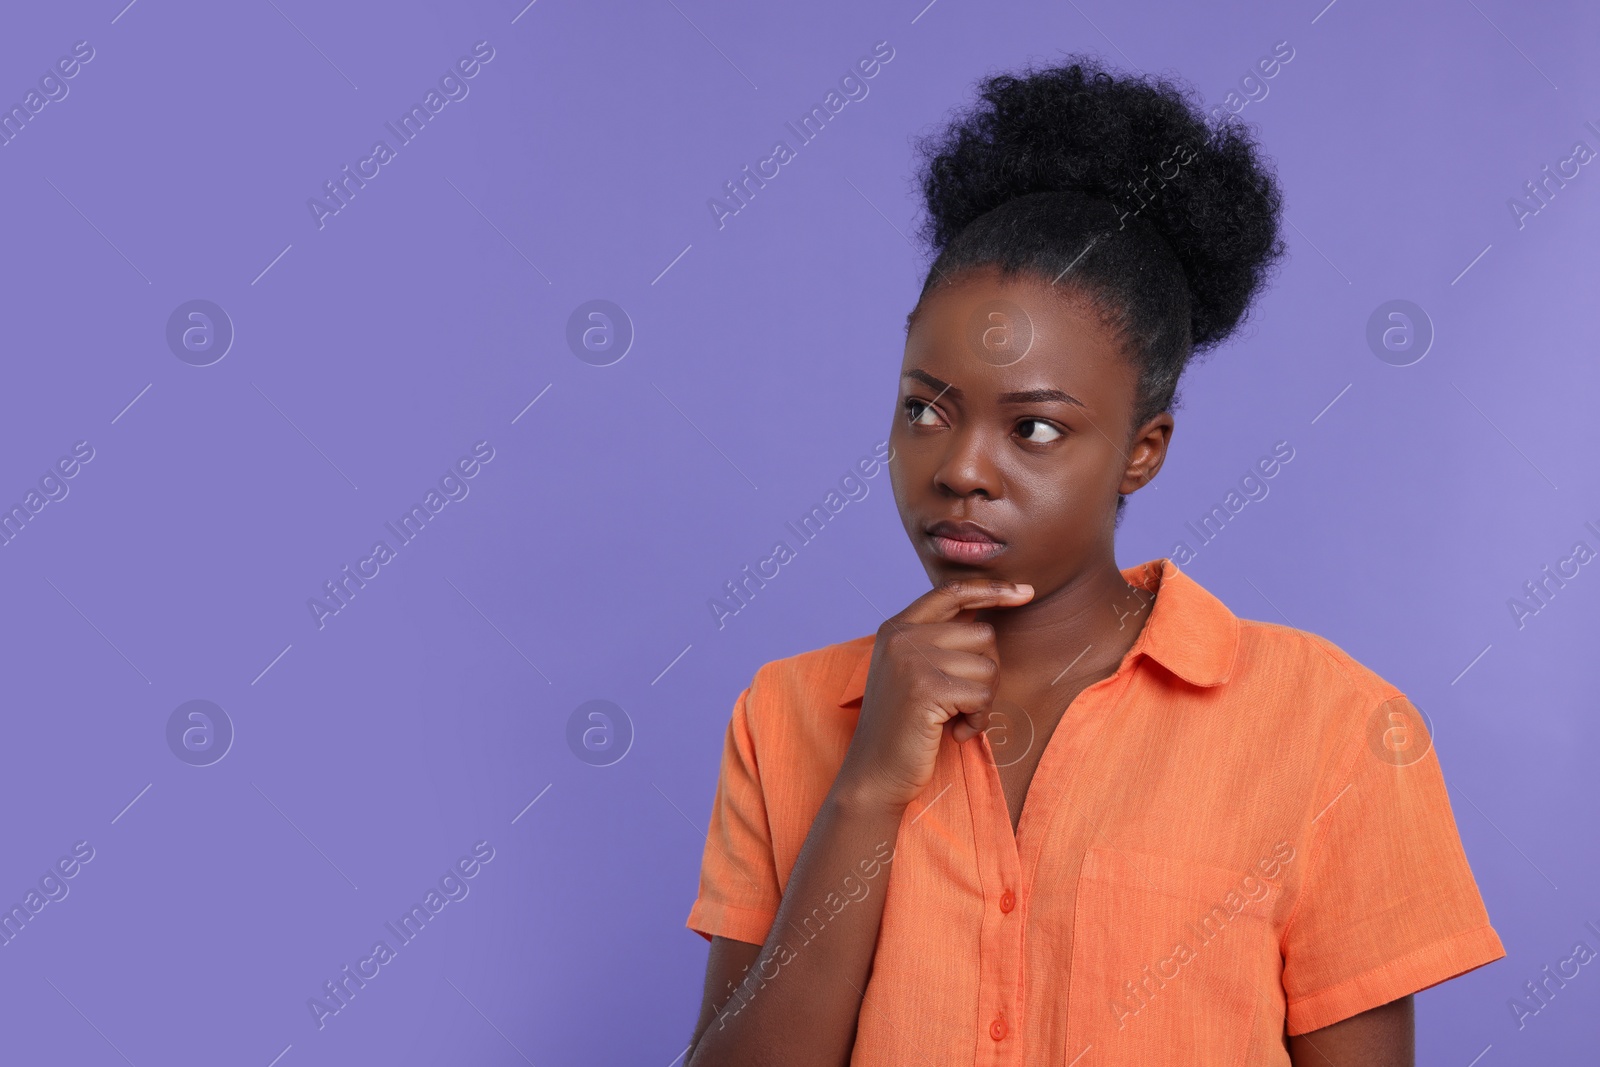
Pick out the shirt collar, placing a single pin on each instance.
(1190, 632)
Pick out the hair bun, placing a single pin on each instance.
(1078, 128)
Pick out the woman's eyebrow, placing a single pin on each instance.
(933, 383)
(1028, 396)
(1040, 396)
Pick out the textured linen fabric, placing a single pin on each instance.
(1241, 834)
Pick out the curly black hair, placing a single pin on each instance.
(1121, 190)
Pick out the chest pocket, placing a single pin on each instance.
(1171, 962)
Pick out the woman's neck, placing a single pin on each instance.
(1079, 632)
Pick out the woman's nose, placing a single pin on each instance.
(968, 465)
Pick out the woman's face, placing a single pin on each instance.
(1014, 414)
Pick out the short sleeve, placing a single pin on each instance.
(1389, 905)
(739, 892)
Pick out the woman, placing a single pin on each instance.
(1057, 812)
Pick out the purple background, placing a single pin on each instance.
(432, 310)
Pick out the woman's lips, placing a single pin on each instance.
(963, 542)
(965, 551)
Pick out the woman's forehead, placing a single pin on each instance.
(997, 334)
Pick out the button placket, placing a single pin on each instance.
(1000, 934)
(1081, 724)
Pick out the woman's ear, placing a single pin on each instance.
(1147, 452)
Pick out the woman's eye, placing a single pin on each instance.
(1050, 433)
(916, 409)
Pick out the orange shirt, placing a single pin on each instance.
(1242, 833)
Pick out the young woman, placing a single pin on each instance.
(1057, 812)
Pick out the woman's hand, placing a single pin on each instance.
(931, 663)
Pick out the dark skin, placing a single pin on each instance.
(1034, 445)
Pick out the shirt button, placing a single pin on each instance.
(997, 1029)
(1008, 900)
